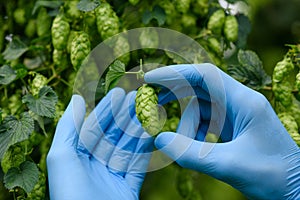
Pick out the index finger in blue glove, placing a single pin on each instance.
(203, 80)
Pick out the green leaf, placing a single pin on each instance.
(47, 4)
(7, 75)
(88, 5)
(250, 70)
(115, 72)
(14, 49)
(147, 16)
(15, 130)
(44, 104)
(157, 13)
(26, 176)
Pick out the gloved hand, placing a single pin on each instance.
(103, 157)
(257, 156)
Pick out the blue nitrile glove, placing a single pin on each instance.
(103, 157)
(258, 157)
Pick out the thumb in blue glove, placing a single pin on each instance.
(258, 157)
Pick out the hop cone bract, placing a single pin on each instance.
(146, 109)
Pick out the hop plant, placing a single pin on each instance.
(30, 28)
(291, 126)
(39, 190)
(80, 48)
(282, 88)
(282, 70)
(182, 5)
(13, 157)
(146, 109)
(149, 40)
(107, 21)
(214, 45)
(297, 82)
(60, 58)
(216, 21)
(43, 22)
(37, 83)
(231, 28)
(122, 47)
(60, 31)
(201, 7)
(71, 10)
(283, 93)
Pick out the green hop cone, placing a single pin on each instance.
(122, 49)
(231, 28)
(297, 82)
(214, 45)
(149, 40)
(216, 21)
(43, 22)
(13, 157)
(60, 32)
(291, 126)
(201, 7)
(19, 16)
(30, 28)
(182, 5)
(80, 49)
(60, 58)
(39, 190)
(146, 109)
(71, 11)
(283, 93)
(282, 70)
(37, 83)
(107, 21)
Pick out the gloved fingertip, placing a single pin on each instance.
(78, 99)
(164, 139)
(117, 91)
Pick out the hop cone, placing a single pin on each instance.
(149, 40)
(216, 21)
(13, 157)
(297, 81)
(231, 28)
(60, 58)
(43, 22)
(60, 31)
(291, 126)
(182, 5)
(107, 21)
(38, 82)
(282, 70)
(146, 109)
(39, 190)
(80, 48)
(122, 49)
